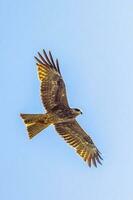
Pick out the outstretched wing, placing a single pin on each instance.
(77, 138)
(53, 91)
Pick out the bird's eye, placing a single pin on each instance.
(77, 109)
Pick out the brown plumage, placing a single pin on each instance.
(53, 95)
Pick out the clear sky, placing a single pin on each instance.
(93, 41)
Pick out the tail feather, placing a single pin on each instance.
(34, 129)
(30, 118)
(35, 123)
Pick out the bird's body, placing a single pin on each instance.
(59, 113)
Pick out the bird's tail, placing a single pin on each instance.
(35, 123)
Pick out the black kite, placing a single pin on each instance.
(53, 94)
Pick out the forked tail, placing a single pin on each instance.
(35, 123)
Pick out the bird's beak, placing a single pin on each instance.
(81, 113)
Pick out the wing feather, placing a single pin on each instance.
(53, 91)
(78, 139)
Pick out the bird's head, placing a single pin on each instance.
(77, 111)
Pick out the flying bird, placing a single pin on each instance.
(59, 113)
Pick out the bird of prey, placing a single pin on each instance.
(59, 114)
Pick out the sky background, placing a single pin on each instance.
(93, 41)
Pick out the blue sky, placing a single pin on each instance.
(93, 41)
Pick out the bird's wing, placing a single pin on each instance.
(53, 91)
(78, 139)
